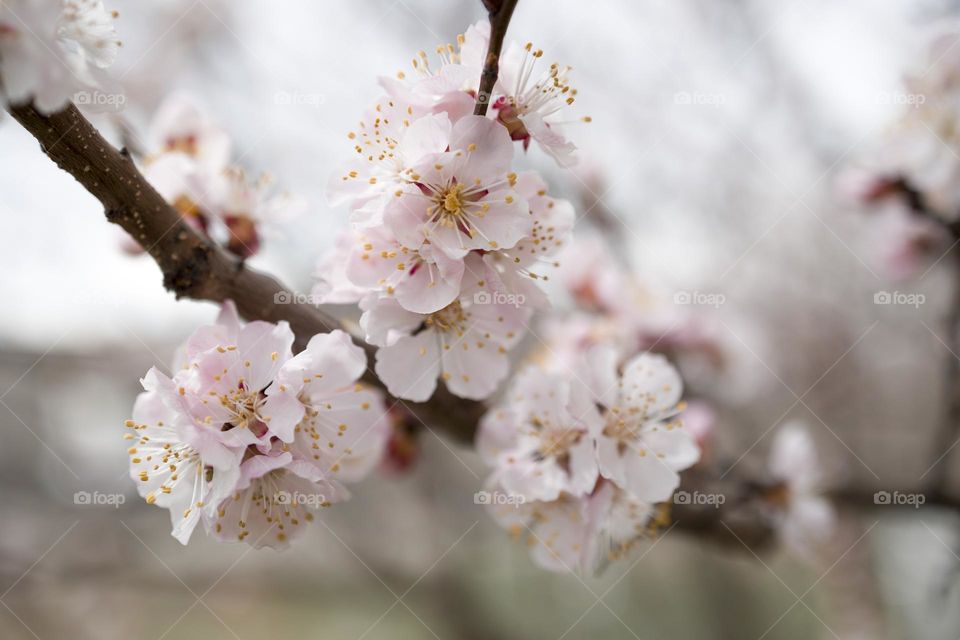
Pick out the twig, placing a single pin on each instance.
(499, 12)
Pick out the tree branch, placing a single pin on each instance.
(193, 266)
(499, 13)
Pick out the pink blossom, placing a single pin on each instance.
(51, 49)
(245, 429)
(464, 343)
(641, 447)
(806, 518)
(515, 271)
(540, 442)
(462, 199)
(576, 534)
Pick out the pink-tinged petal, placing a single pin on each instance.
(368, 212)
(427, 289)
(452, 242)
(350, 183)
(472, 365)
(550, 139)
(345, 434)
(333, 285)
(411, 366)
(258, 466)
(425, 136)
(491, 158)
(560, 535)
(648, 477)
(497, 433)
(449, 79)
(456, 104)
(281, 412)
(276, 505)
(504, 323)
(264, 347)
(476, 40)
(533, 480)
(373, 258)
(384, 321)
(505, 223)
(229, 319)
(584, 471)
(582, 407)
(406, 216)
(216, 449)
(540, 396)
(504, 278)
(793, 457)
(671, 443)
(330, 361)
(651, 385)
(599, 374)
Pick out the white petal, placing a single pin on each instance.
(411, 366)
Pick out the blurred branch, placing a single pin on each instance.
(747, 515)
(949, 431)
(499, 13)
(193, 266)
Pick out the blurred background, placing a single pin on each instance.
(719, 132)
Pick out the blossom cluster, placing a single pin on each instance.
(922, 149)
(52, 49)
(910, 179)
(249, 439)
(188, 161)
(587, 445)
(447, 240)
(804, 516)
(586, 454)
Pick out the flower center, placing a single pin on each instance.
(452, 201)
(245, 407)
(450, 318)
(621, 427)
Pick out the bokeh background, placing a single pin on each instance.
(735, 192)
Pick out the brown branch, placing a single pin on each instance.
(193, 266)
(499, 12)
